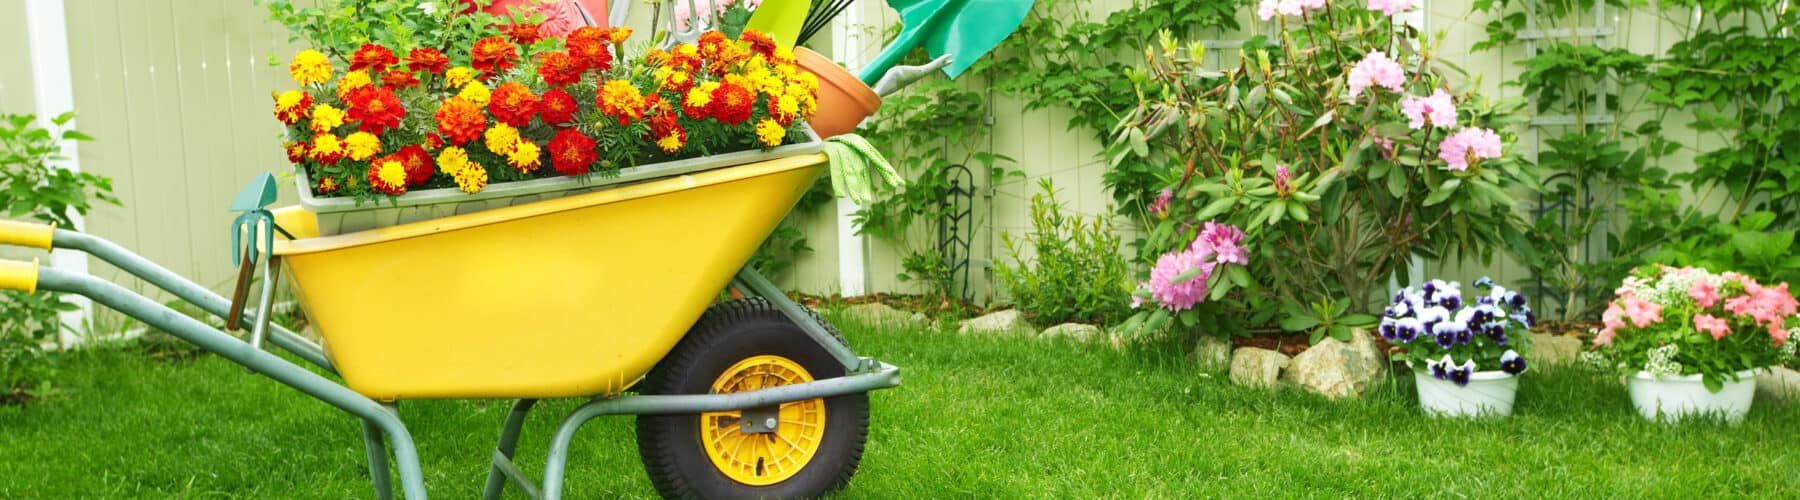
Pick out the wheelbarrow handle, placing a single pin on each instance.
(27, 234)
(19, 275)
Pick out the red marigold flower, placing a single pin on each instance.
(418, 164)
(372, 57)
(711, 43)
(524, 34)
(656, 57)
(732, 103)
(327, 185)
(427, 60)
(571, 152)
(684, 57)
(760, 42)
(556, 107)
(293, 106)
(616, 34)
(621, 100)
(460, 121)
(588, 45)
(397, 79)
(433, 141)
(513, 103)
(666, 132)
(559, 69)
(492, 55)
(376, 109)
(782, 110)
(654, 104)
(296, 151)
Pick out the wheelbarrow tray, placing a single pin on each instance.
(573, 296)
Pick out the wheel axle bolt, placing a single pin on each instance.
(770, 423)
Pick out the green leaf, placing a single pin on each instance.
(1215, 208)
(1298, 322)
(1358, 320)
(1443, 191)
(1185, 276)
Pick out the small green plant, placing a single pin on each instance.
(1076, 272)
(31, 187)
(338, 28)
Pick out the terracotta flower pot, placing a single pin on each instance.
(844, 100)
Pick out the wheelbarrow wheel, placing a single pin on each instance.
(744, 345)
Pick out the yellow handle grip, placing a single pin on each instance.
(27, 234)
(21, 276)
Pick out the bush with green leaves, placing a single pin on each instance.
(1076, 271)
(31, 187)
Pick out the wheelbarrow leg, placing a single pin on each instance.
(509, 441)
(378, 461)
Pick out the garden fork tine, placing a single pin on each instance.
(694, 29)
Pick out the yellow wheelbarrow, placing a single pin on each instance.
(587, 295)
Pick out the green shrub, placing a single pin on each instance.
(1078, 273)
(31, 188)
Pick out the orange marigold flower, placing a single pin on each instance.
(588, 45)
(670, 79)
(730, 55)
(427, 60)
(711, 43)
(492, 55)
(524, 34)
(418, 164)
(783, 109)
(572, 153)
(760, 42)
(654, 104)
(513, 103)
(376, 109)
(556, 107)
(621, 100)
(656, 57)
(666, 131)
(296, 151)
(770, 132)
(559, 69)
(732, 103)
(373, 58)
(352, 82)
(293, 106)
(685, 57)
(387, 177)
(460, 121)
(327, 185)
(326, 149)
(525, 157)
(698, 103)
(397, 79)
(310, 67)
(617, 34)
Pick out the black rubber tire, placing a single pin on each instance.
(729, 332)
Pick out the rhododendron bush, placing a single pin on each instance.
(522, 106)
(1342, 149)
(1669, 321)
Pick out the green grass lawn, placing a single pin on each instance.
(976, 418)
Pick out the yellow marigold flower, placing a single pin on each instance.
(310, 67)
(806, 81)
(804, 99)
(671, 142)
(351, 81)
(739, 80)
(459, 76)
(472, 178)
(772, 85)
(502, 138)
(789, 106)
(391, 173)
(785, 71)
(325, 146)
(526, 156)
(701, 95)
(452, 160)
(361, 146)
(325, 117)
(784, 57)
(770, 132)
(286, 102)
(476, 93)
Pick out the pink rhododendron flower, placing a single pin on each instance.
(1220, 242)
(1642, 312)
(1376, 70)
(1704, 294)
(1390, 7)
(1183, 295)
(1469, 146)
(1708, 324)
(1282, 178)
(1436, 110)
(1160, 207)
(1268, 9)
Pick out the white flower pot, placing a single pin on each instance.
(1488, 393)
(1674, 397)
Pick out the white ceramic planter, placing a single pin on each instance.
(1671, 399)
(1488, 393)
(344, 215)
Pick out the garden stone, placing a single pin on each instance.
(1257, 367)
(1547, 349)
(1334, 369)
(919, 319)
(1074, 331)
(1005, 322)
(877, 314)
(1781, 383)
(1212, 353)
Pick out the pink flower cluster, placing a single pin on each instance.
(1283, 181)
(1217, 244)
(1766, 307)
(1436, 110)
(1269, 8)
(1390, 7)
(1469, 146)
(1376, 70)
(1160, 207)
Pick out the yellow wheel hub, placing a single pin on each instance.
(762, 459)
